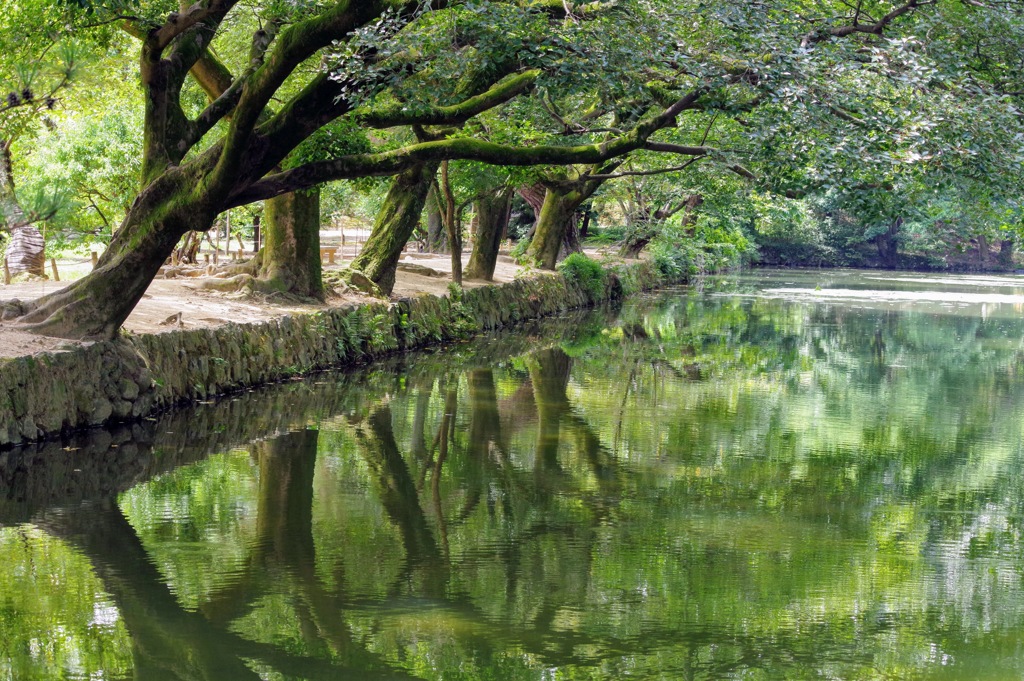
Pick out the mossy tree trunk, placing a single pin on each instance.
(290, 260)
(556, 233)
(452, 224)
(1005, 257)
(437, 240)
(492, 220)
(552, 226)
(395, 223)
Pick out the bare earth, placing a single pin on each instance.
(204, 308)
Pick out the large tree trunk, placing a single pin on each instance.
(533, 195)
(452, 224)
(888, 245)
(395, 223)
(555, 217)
(1005, 258)
(437, 240)
(291, 250)
(492, 219)
(95, 306)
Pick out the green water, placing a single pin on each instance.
(777, 476)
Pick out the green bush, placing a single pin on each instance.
(519, 249)
(585, 272)
(714, 246)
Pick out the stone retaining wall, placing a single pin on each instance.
(137, 375)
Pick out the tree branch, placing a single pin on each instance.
(642, 173)
(391, 162)
(296, 43)
(454, 114)
(876, 28)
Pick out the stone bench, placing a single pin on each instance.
(330, 252)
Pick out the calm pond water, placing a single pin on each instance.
(782, 475)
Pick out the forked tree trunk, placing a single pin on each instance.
(492, 219)
(395, 223)
(291, 244)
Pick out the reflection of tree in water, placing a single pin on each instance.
(531, 525)
(169, 642)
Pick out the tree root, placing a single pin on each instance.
(354, 280)
(12, 309)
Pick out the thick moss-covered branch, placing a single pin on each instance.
(224, 91)
(454, 114)
(177, 24)
(168, 53)
(394, 161)
(321, 101)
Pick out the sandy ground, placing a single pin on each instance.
(204, 308)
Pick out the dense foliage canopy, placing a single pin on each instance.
(832, 132)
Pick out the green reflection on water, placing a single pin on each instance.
(716, 484)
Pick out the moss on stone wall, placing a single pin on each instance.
(137, 375)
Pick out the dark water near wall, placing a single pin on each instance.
(784, 475)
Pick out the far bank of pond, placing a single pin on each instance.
(781, 475)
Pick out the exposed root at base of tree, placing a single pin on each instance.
(350, 280)
(12, 309)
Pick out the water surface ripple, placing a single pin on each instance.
(776, 475)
